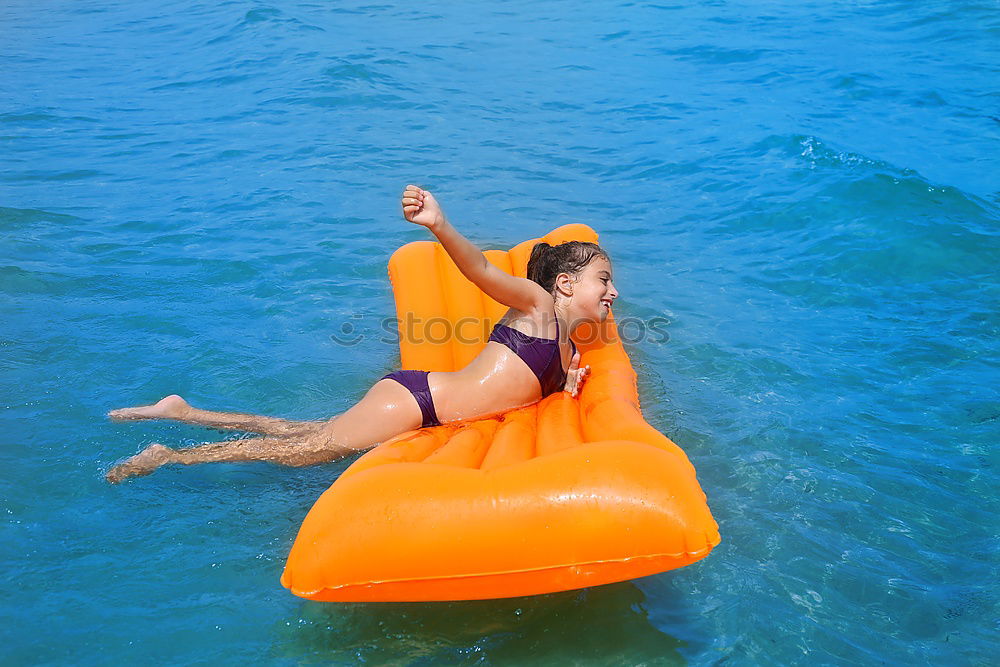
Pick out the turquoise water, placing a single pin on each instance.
(196, 197)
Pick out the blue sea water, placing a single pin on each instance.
(201, 198)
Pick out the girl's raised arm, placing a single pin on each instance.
(420, 207)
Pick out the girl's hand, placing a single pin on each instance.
(576, 376)
(420, 207)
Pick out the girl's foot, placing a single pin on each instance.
(141, 464)
(171, 407)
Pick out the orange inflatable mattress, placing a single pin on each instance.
(562, 494)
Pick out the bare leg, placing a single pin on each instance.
(289, 452)
(387, 410)
(141, 464)
(175, 407)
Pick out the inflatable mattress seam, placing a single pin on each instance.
(700, 553)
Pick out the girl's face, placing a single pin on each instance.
(594, 290)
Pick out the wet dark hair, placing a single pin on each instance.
(548, 261)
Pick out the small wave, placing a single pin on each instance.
(11, 218)
(41, 118)
(210, 82)
(859, 86)
(818, 154)
(52, 175)
(713, 55)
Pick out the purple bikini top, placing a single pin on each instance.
(541, 354)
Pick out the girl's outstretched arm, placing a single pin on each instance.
(420, 207)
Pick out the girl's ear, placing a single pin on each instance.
(564, 284)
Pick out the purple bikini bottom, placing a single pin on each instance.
(416, 382)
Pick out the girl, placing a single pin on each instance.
(525, 360)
